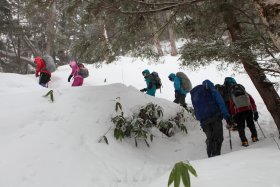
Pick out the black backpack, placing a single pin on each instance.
(156, 80)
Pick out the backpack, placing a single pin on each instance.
(239, 96)
(185, 81)
(156, 80)
(204, 103)
(83, 71)
(50, 65)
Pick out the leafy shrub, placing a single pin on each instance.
(139, 125)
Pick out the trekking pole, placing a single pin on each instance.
(261, 129)
(230, 144)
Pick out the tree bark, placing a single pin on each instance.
(50, 29)
(269, 11)
(157, 42)
(256, 74)
(171, 35)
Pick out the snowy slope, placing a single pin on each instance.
(56, 144)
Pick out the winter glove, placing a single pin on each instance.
(36, 75)
(143, 90)
(256, 116)
(230, 122)
(69, 78)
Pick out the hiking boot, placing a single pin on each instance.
(234, 128)
(245, 143)
(255, 139)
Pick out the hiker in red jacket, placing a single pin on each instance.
(243, 108)
(45, 75)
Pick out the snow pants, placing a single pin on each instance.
(44, 79)
(180, 99)
(78, 81)
(213, 128)
(240, 119)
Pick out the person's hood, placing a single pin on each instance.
(208, 84)
(171, 76)
(229, 81)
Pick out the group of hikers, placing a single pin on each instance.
(211, 104)
(45, 66)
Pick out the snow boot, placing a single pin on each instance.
(255, 139)
(245, 144)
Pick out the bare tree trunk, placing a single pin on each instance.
(269, 11)
(34, 50)
(157, 42)
(171, 35)
(110, 52)
(51, 29)
(256, 74)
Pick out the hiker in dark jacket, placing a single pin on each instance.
(243, 109)
(224, 91)
(151, 87)
(180, 93)
(210, 109)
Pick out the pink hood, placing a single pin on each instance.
(75, 68)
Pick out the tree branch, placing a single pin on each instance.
(161, 9)
(14, 56)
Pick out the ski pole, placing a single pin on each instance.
(261, 129)
(230, 144)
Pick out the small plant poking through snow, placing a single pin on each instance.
(140, 124)
(50, 93)
(181, 171)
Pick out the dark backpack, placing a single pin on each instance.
(156, 80)
(239, 96)
(204, 103)
(185, 81)
(83, 71)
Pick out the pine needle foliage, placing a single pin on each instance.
(181, 171)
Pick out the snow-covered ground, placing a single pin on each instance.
(56, 144)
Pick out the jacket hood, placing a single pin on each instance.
(73, 63)
(171, 76)
(229, 81)
(208, 84)
(146, 71)
(38, 60)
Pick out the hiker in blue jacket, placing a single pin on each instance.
(151, 87)
(180, 93)
(210, 109)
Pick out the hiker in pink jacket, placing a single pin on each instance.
(78, 79)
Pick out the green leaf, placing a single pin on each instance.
(151, 137)
(191, 169)
(52, 98)
(106, 140)
(177, 175)
(171, 177)
(185, 176)
(147, 143)
(136, 144)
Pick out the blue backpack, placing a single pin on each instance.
(204, 103)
